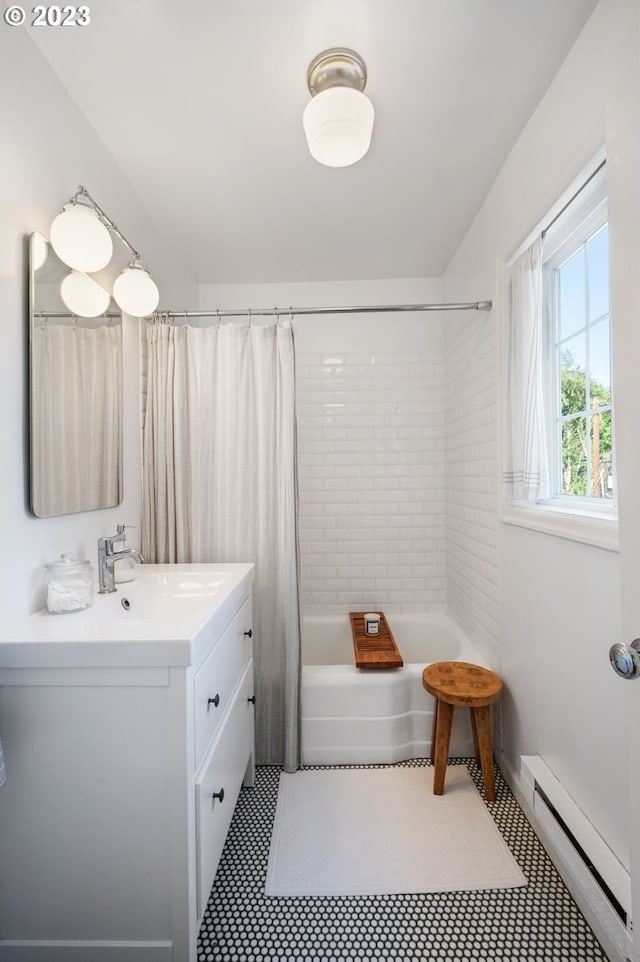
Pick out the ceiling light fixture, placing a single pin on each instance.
(338, 121)
(81, 237)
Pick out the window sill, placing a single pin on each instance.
(599, 529)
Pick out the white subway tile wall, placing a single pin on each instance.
(472, 485)
(371, 481)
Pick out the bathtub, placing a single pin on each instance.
(359, 716)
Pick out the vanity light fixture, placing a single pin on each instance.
(81, 237)
(338, 121)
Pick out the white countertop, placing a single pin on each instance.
(173, 612)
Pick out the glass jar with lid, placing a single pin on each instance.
(69, 584)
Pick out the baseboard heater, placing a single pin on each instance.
(597, 877)
(599, 882)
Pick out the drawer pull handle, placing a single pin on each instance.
(213, 701)
(252, 699)
(219, 795)
(248, 634)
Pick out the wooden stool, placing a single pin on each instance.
(458, 683)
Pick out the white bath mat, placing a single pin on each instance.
(381, 830)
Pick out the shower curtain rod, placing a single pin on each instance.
(291, 311)
(363, 309)
(108, 314)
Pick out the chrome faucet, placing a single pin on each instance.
(107, 558)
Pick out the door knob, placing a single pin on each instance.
(625, 659)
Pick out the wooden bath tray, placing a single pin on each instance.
(374, 651)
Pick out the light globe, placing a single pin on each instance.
(338, 124)
(135, 292)
(80, 239)
(83, 296)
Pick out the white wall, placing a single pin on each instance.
(48, 148)
(370, 391)
(560, 600)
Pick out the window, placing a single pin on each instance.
(577, 376)
(558, 450)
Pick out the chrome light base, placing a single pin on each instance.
(336, 67)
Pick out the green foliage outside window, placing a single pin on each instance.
(587, 442)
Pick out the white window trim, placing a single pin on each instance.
(575, 520)
(582, 226)
(590, 528)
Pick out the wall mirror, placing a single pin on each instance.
(75, 366)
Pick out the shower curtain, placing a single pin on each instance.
(76, 393)
(219, 485)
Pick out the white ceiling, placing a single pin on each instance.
(200, 103)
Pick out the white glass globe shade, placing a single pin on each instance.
(135, 292)
(80, 239)
(84, 296)
(338, 123)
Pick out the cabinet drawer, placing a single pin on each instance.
(222, 773)
(216, 679)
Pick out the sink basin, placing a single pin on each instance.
(161, 594)
(165, 617)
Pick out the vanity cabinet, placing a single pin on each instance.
(223, 744)
(125, 758)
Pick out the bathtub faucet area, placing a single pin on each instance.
(107, 558)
